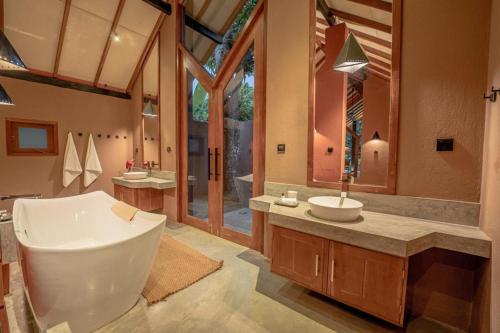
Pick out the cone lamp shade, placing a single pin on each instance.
(351, 57)
(9, 59)
(149, 111)
(4, 98)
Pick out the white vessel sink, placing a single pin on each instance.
(134, 175)
(329, 208)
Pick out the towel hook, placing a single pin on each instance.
(493, 96)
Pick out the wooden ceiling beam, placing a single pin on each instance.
(62, 32)
(321, 31)
(203, 9)
(380, 63)
(104, 54)
(147, 51)
(360, 20)
(2, 19)
(377, 4)
(321, 21)
(371, 38)
(325, 10)
(379, 71)
(374, 51)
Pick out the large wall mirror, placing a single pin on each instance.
(151, 109)
(354, 94)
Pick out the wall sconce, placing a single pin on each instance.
(493, 96)
(376, 136)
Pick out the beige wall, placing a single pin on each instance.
(75, 111)
(444, 66)
(443, 77)
(490, 197)
(287, 90)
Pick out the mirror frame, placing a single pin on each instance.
(157, 40)
(390, 187)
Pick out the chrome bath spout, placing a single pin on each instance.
(20, 196)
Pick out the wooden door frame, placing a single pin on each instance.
(254, 32)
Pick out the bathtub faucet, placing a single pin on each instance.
(20, 196)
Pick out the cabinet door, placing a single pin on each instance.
(299, 257)
(125, 194)
(372, 281)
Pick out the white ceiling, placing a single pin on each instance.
(34, 26)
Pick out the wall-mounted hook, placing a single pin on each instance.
(493, 96)
(99, 135)
(80, 134)
(108, 136)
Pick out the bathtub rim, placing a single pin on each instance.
(156, 219)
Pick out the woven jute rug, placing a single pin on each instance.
(176, 267)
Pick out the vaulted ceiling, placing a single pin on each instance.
(371, 23)
(102, 43)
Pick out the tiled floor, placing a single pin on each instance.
(244, 296)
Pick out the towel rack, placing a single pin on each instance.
(108, 136)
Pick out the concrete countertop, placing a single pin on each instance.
(397, 235)
(149, 182)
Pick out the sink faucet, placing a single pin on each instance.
(150, 165)
(344, 187)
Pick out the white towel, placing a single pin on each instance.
(93, 167)
(72, 167)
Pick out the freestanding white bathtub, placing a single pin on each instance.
(81, 263)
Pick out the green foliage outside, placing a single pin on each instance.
(200, 95)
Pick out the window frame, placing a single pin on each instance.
(12, 126)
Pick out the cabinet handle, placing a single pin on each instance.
(332, 275)
(317, 266)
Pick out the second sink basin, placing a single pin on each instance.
(329, 208)
(134, 175)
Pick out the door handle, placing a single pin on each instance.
(209, 167)
(316, 272)
(217, 164)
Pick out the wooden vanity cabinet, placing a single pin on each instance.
(300, 257)
(368, 280)
(146, 199)
(371, 281)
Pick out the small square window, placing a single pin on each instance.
(31, 137)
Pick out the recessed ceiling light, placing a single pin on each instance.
(116, 37)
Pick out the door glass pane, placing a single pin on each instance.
(197, 149)
(238, 146)
(227, 20)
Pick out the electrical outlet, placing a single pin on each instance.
(280, 148)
